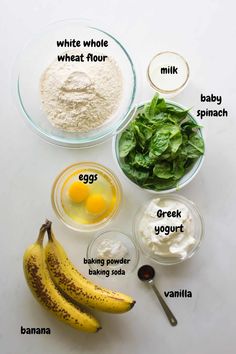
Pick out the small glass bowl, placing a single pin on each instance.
(132, 255)
(190, 173)
(56, 196)
(41, 52)
(198, 231)
(171, 84)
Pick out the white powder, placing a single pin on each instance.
(111, 249)
(81, 96)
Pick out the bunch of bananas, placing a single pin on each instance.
(60, 288)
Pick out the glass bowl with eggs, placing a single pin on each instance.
(86, 196)
(75, 84)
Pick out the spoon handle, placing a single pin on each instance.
(165, 307)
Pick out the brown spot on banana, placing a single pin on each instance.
(76, 286)
(45, 292)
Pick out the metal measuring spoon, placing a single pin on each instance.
(146, 273)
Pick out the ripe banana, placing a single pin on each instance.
(44, 290)
(76, 286)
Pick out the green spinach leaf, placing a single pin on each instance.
(126, 143)
(159, 143)
(135, 174)
(163, 170)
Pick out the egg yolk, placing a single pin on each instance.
(96, 204)
(78, 192)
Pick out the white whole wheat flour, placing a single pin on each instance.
(81, 96)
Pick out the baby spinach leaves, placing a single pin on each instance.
(127, 143)
(160, 145)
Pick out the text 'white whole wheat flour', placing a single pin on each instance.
(81, 96)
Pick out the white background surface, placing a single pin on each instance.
(202, 31)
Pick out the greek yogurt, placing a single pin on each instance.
(166, 228)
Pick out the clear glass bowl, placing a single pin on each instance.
(190, 173)
(35, 58)
(114, 236)
(57, 202)
(168, 85)
(198, 232)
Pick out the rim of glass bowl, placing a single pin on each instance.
(169, 261)
(104, 134)
(136, 248)
(197, 164)
(66, 219)
(158, 89)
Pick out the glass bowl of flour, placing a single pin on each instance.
(76, 84)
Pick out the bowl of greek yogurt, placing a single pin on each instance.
(168, 229)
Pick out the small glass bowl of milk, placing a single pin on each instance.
(168, 73)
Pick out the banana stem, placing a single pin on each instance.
(41, 235)
(42, 231)
(49, 230)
